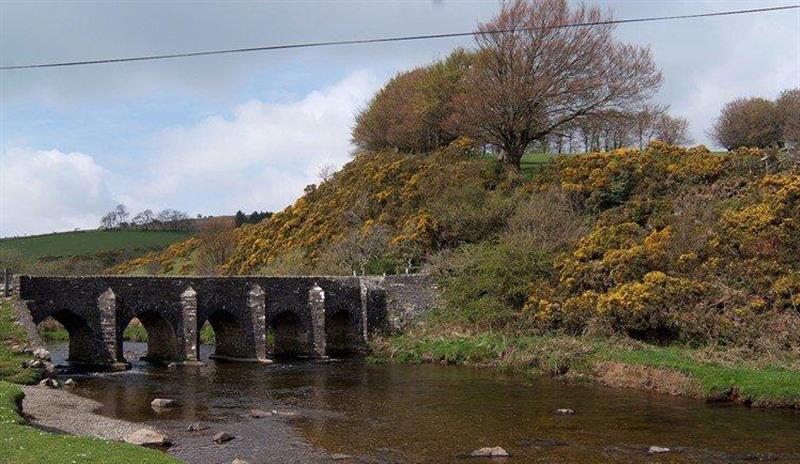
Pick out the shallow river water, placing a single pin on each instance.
(428, 414)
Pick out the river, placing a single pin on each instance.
(426, 414)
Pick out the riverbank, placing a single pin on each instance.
(708, 373)
(21, 443)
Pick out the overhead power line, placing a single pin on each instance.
(394, 39)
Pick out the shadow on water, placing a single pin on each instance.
(430, 414)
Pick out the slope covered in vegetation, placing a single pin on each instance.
(665, 244)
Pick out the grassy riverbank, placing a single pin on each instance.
(714, 374)
(22, 444)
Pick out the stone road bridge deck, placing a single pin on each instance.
(308, 316)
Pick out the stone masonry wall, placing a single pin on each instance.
(241, 309)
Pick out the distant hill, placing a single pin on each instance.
(68, 244)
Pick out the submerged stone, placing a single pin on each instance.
(163, 403)
(258, 413)
(490, 452)
(197, 426)
(223, 437)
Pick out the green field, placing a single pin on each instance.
(91, 242)
(532, 162)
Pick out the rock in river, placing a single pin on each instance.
(147, 437)
(258, 413)
(493, 452)
(223, 437)
(163, 403)
(41, 353)
(657, 450)
(195, 427)
(50, 383)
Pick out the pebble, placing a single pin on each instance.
(195, 427)
(163, 403)
(258, 413)
(657, 449)
(565, 412)
(50, 383)
(69, 383)
(493, 452)
(239, 461)
(340, 456)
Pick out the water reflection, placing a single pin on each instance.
(434, 414)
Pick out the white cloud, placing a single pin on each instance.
(259, 157)
(46, 191)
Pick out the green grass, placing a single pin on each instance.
(10, 362)
(533, 162)
(21, 444)
(556, 355)
(91, 242)
(767, 385)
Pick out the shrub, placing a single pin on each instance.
(648, 309)
(486, 285)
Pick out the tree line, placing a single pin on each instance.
(253, 218)
(539, 85)
(166, 219)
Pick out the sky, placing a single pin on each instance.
(213, 135)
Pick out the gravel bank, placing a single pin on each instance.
(61, 411)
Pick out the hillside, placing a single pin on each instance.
(375, 215)
(81, 252)
(665, 244)
(59, 245)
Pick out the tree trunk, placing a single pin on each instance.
(512, 156)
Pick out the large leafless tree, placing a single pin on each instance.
(535, 77)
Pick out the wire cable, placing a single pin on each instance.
(394, 39)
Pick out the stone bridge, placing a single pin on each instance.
(304, 316)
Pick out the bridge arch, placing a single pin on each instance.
(229, 335)
(84, 344)
(162, 339)
(343, 333)
(291, 335)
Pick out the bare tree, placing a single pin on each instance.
(534, 77)
(673, 130)
(645, 123)
(325, 172)
(143, 218)
(122, 215)
(216, 245)
(109, 220)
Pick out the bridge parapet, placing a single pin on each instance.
(310, 316)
